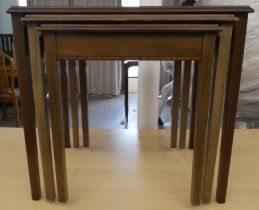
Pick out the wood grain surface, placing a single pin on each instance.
(126, 169)
(55, 99)
(40, 100)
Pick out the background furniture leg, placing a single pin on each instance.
(175, 106)
(74, 102)
(185, 102)
(193, 109)
(84, 101)
(63, 72)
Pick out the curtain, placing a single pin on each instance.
(171, 2)
(95, 3)
(104, 77)
(42, 3)
(248, 105)
(165, 76)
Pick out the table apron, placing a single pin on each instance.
(138, 46)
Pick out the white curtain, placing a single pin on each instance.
(164, 76)
(104, 77)
(95, 3)
(42, 3)
(248, 106)
(172, 2)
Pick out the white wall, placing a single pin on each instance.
(5, 19)
(133, 85)
(150, 2)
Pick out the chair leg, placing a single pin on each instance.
(16, 111)
(4, 116)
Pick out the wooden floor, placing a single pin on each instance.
(128, 170)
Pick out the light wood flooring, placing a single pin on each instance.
(128, 170)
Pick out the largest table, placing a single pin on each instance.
(231, 95)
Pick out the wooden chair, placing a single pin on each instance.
(6, 42)
(8, 93)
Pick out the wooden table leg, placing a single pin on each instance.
(193, 109)
(64, 102)
(185, 102)
(175, 107)
(216, 113)
(25, 85)
(84, 102)
(74, 102)
(56, 116)
(38, 79)
(201, 119)
(230, 108)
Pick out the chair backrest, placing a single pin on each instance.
(6, 43)
(7, 74)
(189, 3)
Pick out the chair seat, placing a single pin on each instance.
(9, 95)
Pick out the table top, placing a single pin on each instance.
(194, 28)
(136, 10)
(128, 169)
(130, 18)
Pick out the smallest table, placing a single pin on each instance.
(143, 42)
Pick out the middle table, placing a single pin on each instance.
(148, 42)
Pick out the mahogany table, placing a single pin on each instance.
(146, 15)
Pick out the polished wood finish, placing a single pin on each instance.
(239, 12)
(176, 103)
(201, 117)
(63, 72)
(131, 18)
(38, 78)
(216, 111)
(133, 10)
(158, 28)
(27, 103)
(127, 50)
(74, 101)
(193, 108)
(84, 101)
(52, 37)
(56, 117)
(231, 100)
(185, 102)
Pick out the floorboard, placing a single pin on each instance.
(128, 169)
